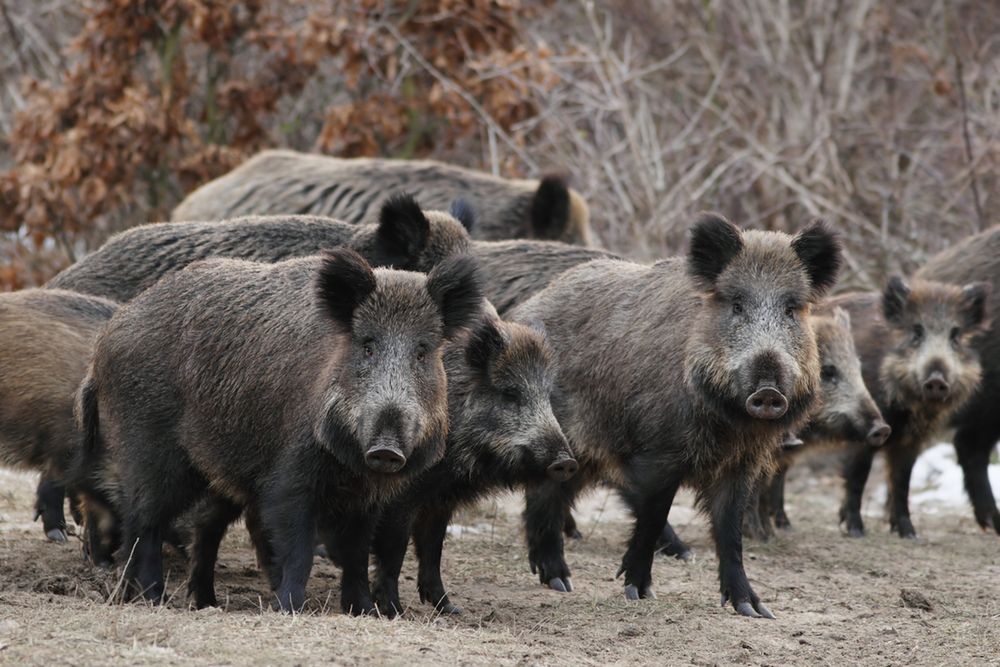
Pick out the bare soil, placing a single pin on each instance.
(878, 601)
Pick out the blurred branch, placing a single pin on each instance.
(969, 155)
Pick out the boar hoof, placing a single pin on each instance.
(56, 535)
(561, 585)
(449, 608)
(321, 551)
(574, 534)
(746, 609)
(781, 521)
(855, 531)
(632, 593)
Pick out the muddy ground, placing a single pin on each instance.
(838, 601)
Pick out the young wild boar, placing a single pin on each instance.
(285, 182)
(503, 434)
(45, 341)
(915, 344)
(309, 391)
(846, 412)
(687, 371)
(404, 238)
(978, 423)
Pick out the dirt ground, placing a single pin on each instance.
(838, 601)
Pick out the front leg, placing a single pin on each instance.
(212, 520)
(350, 534)
(428, 538)
(857, 466)
(901, 460)
(545, 509)
(650, 511)
(49, 502)
(392, 535)
(776, 493)
(727, 500)
(974, 446)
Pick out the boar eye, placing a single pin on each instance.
(421, 353)
(829, 374)
(789, 310)
(511, 396)
(369, 349)
(955, 333)
(918, 332)
(737, 308)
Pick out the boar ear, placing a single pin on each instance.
(344, 281)
(550, 208)
(974, 296)
(842, 318)
(455, 286)
(485, 344)
(894, 299)
(818, 248)
(714, 243)
(463, 211)
(402, 232)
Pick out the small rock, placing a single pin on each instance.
(747, 645)
(630, 630)
(914, 599)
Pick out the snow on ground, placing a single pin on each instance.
(937, 484)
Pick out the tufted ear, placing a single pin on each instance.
(550, 208)
(974, 309)
(402, 233)
(819, 250)
(894, 299)
(714, 243)
(345, 280)
(485, 345)
(464, 212)
(455, 286)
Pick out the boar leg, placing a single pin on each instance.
(143, 546)
(569, 527)
(776, 493)
(974, 449)
(901, 460)
(428, 539)
(755, 521)
(650, 516)
(389, 547)
(349, 534)
(727, 500)
(671, 544)
(261, 545)
(213, 520)
(857, 466)
(288, 519)
(545, 508)
(50, 498)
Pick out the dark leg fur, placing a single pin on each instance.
(261, 545)
(50, 498)
(727, 501)
(351, 535)
(212, 522)
(545, 509)
(776, 493)
(756, 519)
(857, 466)
(671, 544)
(901, 460)
(569, 527)
(650, 512)
(428, 537)
(389, 547)
(973, 449)
(143, 555)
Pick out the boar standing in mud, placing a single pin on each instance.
(688, 371)
(503, 434)
(404, 238)
(284, 182)
(918, 361)
(308, 391)
(46, 337)
(846, 412)
(978, 423)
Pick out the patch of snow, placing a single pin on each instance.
(938, 484)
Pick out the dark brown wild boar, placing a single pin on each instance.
(46, 337)
(308, 391)
(915, 344)
(688, 371)
(285, 182)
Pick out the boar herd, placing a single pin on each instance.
(344, 365)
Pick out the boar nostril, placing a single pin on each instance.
(767, 403)
(385, 458)
(936, 387)
(879, 434)
(562, 469)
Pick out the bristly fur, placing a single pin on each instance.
(344, 281)
(464, 212)
(714, 243)
(894, 298)
(455, 286)
(819, 249)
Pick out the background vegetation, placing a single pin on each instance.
(883, 117)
